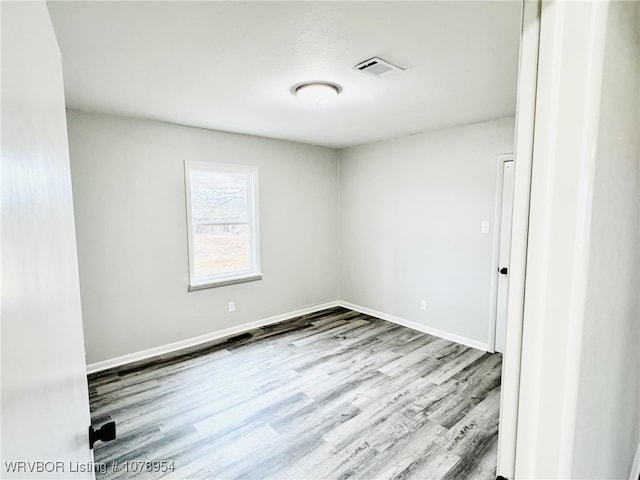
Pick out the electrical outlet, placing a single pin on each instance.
(232, 306)
(423, 304)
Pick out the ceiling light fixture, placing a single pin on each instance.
(316, 93)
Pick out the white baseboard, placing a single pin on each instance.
(244, 327)
(207, 337)
(635, 468)
(417, 326)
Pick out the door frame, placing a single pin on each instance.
(523, 159)
(558, 110)
(567, 114)
(495, 255)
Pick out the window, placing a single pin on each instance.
(222, 217)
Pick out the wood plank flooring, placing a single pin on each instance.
(331, 395)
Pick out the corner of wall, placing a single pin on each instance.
(340, 157)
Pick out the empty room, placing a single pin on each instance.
(319, 240)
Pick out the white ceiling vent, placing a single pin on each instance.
(377, 67)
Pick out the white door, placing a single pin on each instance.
(45, 403)
(506, 217)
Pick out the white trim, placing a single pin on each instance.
(416, 326)
(525, 117)
(635, 468)
(572, 43)
(207, 337)
(495, 253)
(244, 327)
(223, 282)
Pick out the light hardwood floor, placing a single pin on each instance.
(331, 395)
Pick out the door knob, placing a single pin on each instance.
(504, 270)
(106, 433)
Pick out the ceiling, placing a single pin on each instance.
(230, 65)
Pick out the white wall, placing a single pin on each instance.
(45, 407)
(411, 211)
(608, 416)
(128, 185)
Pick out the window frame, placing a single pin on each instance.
(253, 215)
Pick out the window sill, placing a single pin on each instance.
(228, 281)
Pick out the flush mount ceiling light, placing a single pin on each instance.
(316, 93)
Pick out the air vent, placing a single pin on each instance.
(376, 67)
